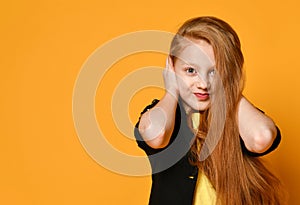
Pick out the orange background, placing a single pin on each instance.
(45, 43)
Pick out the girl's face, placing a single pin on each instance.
(195, 70)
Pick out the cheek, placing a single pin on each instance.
(183, 83)
(184, 90)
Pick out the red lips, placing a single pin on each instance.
(202, 96)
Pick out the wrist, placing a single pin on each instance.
(173, 93)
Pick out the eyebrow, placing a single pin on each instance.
(197, 66)
(190, 64)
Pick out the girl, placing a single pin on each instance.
(204, 117)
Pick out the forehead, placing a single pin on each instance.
(198, 52)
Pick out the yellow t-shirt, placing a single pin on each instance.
(204, 192)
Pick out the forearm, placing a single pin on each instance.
(157, 124)
(257, 130)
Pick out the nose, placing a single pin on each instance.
(201, 82)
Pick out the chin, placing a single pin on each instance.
(202, 107)
(196, 105)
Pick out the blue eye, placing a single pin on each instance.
(212, 72)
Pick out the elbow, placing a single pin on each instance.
(263, 140)
(158, 142)
(152, 128)
(155, 140)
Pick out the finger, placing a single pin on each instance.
(170, 63)
(167, 63)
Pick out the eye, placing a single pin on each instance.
(212, 72)
(191, 70)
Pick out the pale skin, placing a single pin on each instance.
(183, 79)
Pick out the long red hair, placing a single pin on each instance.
(237, 178)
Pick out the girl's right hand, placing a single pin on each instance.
(170, 78)
(156, 125)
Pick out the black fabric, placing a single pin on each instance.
(176, 184)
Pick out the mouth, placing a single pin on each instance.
(202, 96)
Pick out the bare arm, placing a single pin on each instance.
(157, 124)
(257, 130)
